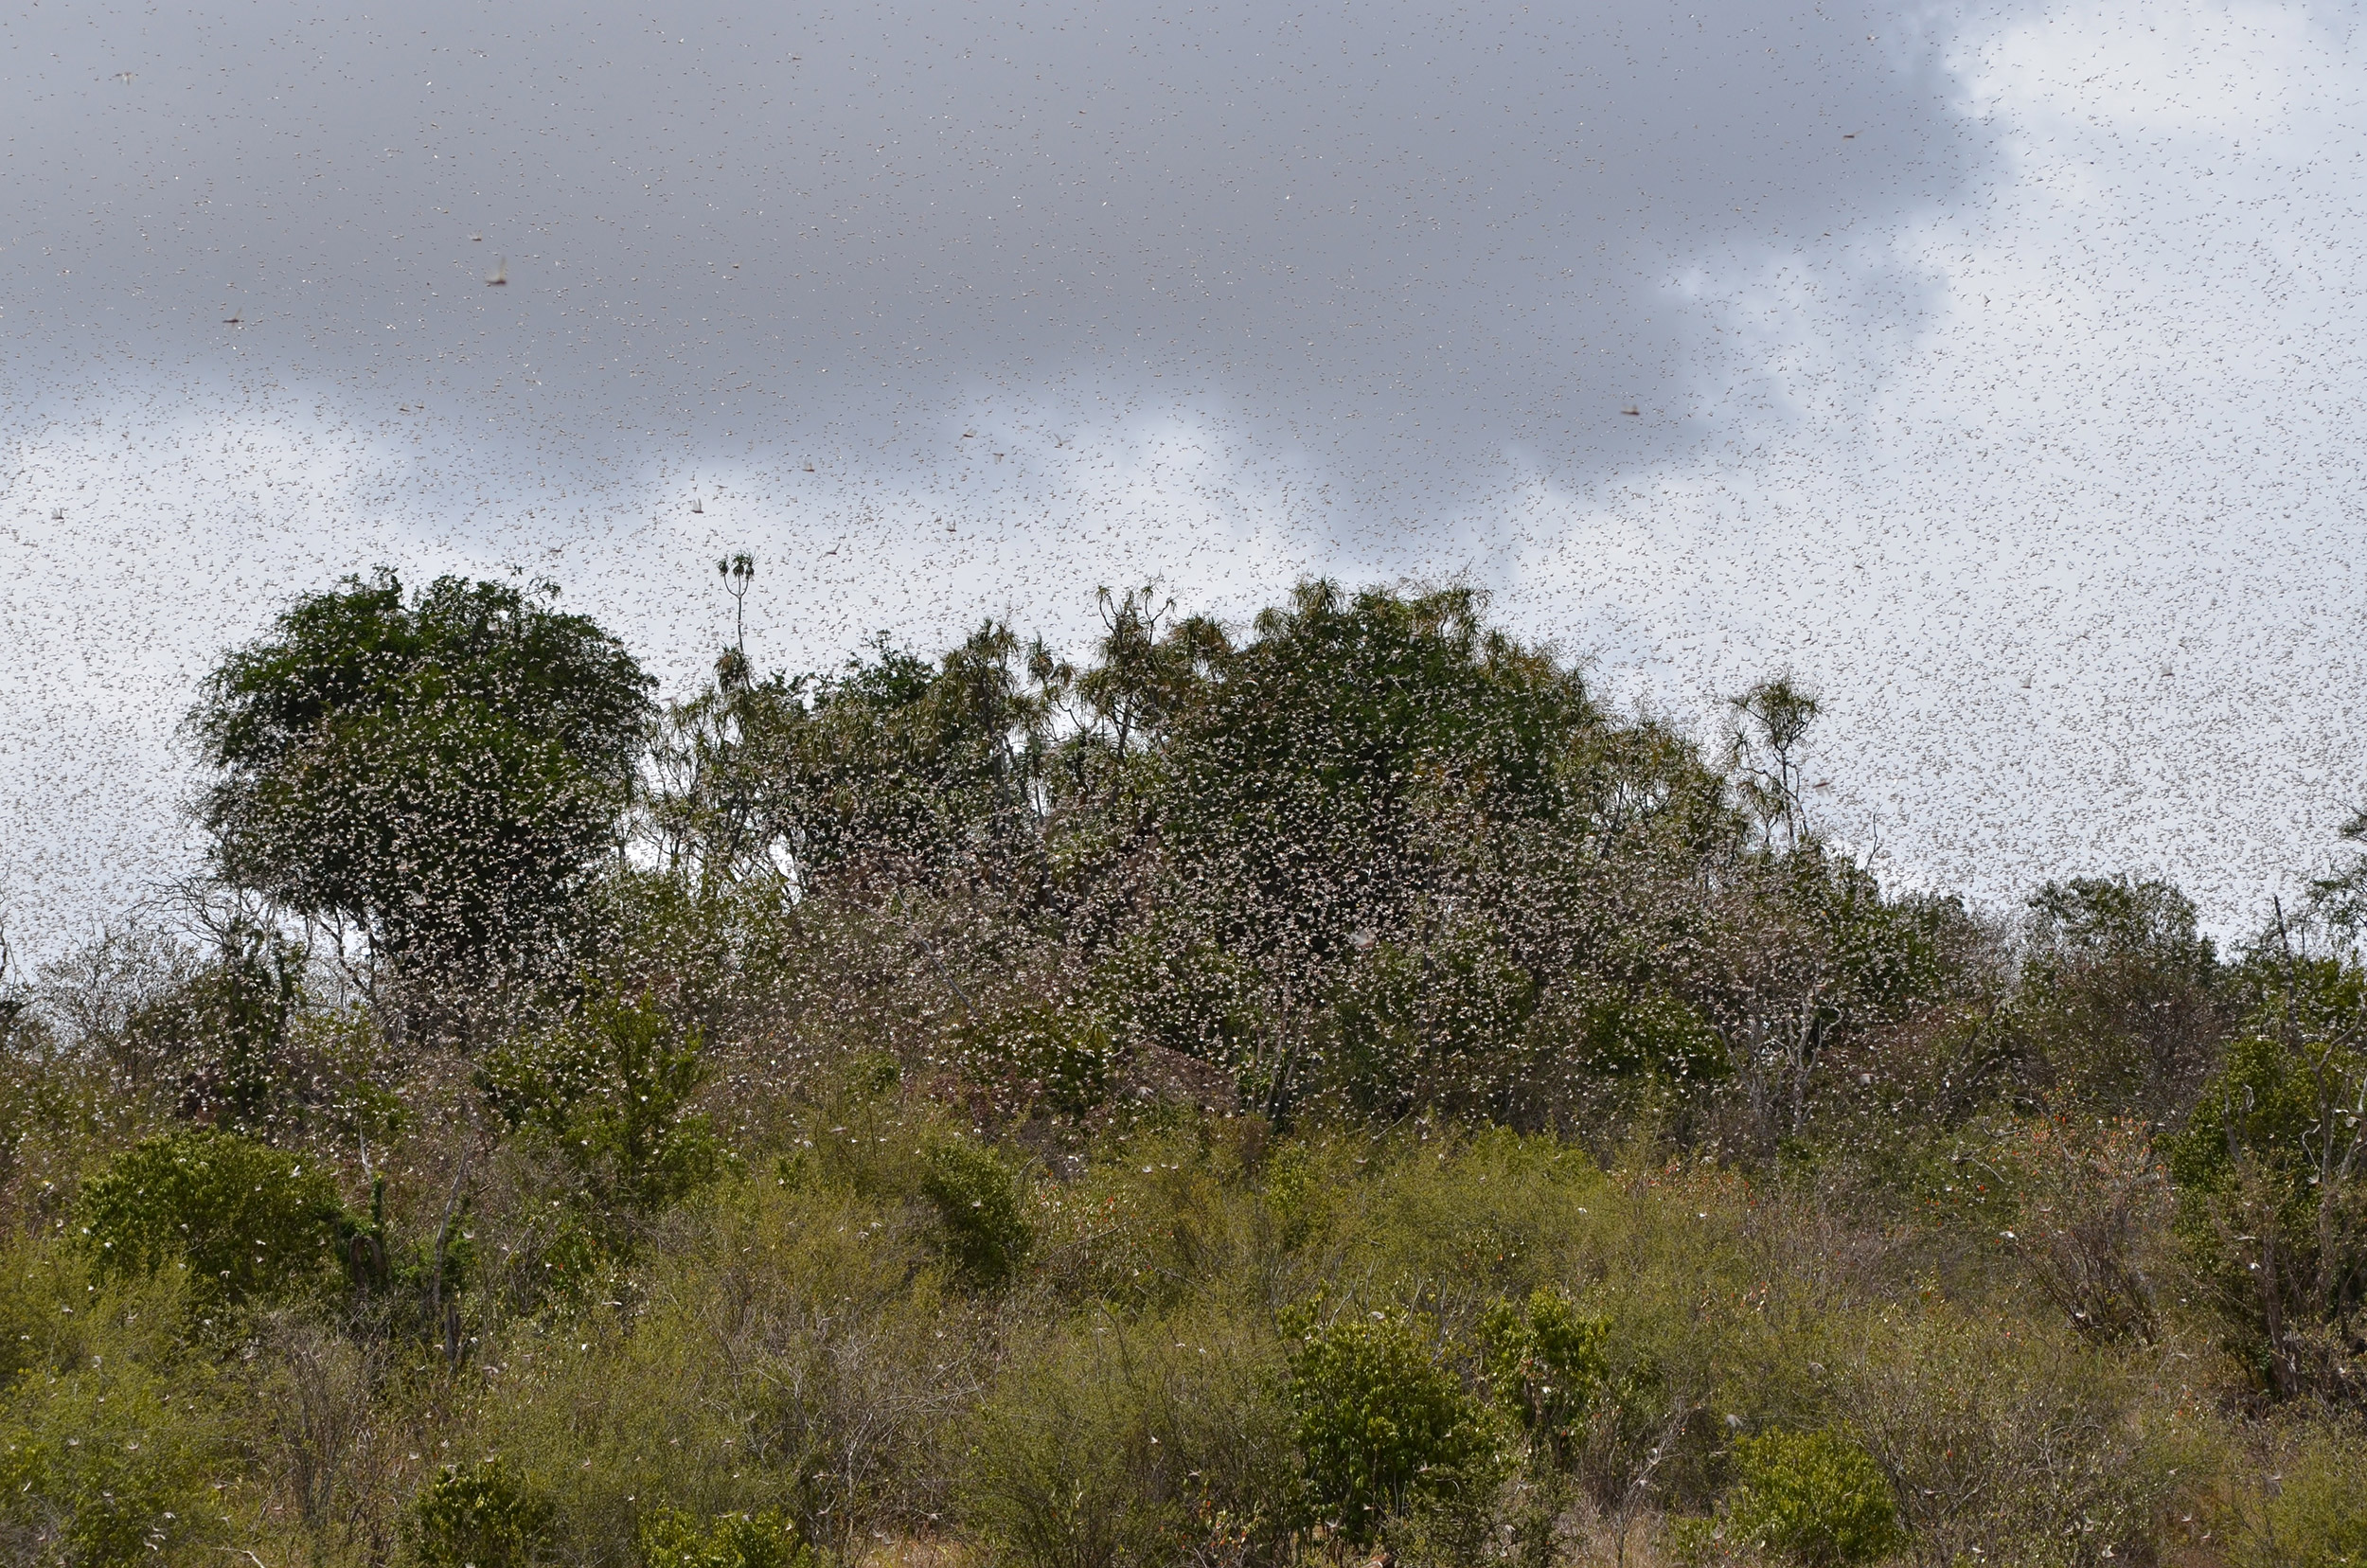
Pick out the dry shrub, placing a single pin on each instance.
(329, 1436)
(2009, 1444)
(791, 1350)
(1155, 1444)
(2091, 1203)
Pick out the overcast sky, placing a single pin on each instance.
(1997, 369)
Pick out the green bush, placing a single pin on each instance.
(608, 1093)
(2317, 1518)
(1381, 1424)
(1546, 1365)
(248, 1222)
(674, 1539)
(977, 1199)
(484, 1516)
(99, 1468)
(1812, 1497)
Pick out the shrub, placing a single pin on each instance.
(247, 1220)
(977, 1199)
(1546, 1365)
(674, 1539)
(1381, 1424)
(610, 1090)
(1812, 1497)
(2089, 1203)
(483, 1516)
(101, 1469)
(2317, 1518)
(1136, 1446)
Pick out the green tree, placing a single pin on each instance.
(2271, 1174)
(2342, 895)
(1764, 748)
(107, 1465)
(443, 773)
(212, 1046)
(904, 772)
(2119, 1007)
(1330, 786)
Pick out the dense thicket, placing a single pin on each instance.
(1233, 1096)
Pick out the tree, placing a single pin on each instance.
(909, 772)
(1328, 791)
(2271, 1174)
(216, 1040)
(892, 775)
(1772, 721)
(2118, 1008)
(1804, 950)
(1546, 1365)
(442, 774)
(2343, 896)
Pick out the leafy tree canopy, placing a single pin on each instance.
(442, 771)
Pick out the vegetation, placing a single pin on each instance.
(1324, 1091)
(1811, 1497)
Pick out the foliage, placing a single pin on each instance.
(483, 1515)
(214, 1042)
(1043, 1055)
(891, 769)
(1770, 724)
(671, 1538)
(1811, 1497)
(1320, 793)
(2119, 1006)
(2086, 1201)
(441, 773)
(1382, 1423)
(1546, 1363)
(2316, 1517)
(2271, 1171)
(2013, 1445)
(246, 1220)
(1145, 1444)
(985, 1234)
(609, 1090)
(1064, 1019)
(100, 1468)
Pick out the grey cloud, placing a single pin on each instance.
(1405, 242)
